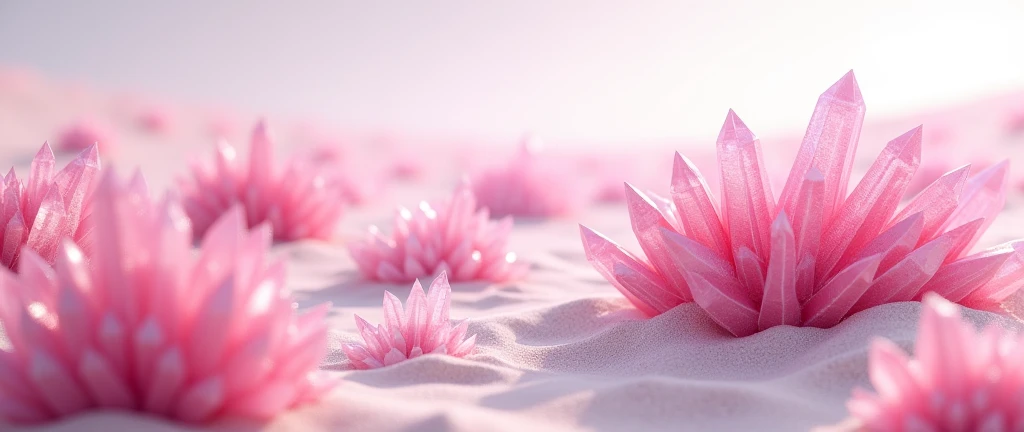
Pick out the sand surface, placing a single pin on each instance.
(560, 350)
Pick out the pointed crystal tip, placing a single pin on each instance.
(45, 152)
(259, 131)
(846, 89)
(734, 131)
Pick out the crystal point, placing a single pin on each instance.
(829, 145)
(632, 276)
(748, 205)
(780, 304)
(647, 221)
(700, 219)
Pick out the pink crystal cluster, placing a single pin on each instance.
(421, 327)
(525, 187)
(149, 326)
(298, 202)
(47, 207)
(817, 253)
(450, 236)
(85, 133)
(957, 380)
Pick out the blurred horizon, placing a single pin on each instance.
(571, 71)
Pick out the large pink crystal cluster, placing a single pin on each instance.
(525, 186)
(817, 253)
(49, 206)
(450, 236)
(149, 326)
(422, 327)
(958, 380)
(298, 202)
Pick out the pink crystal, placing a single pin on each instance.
(421, 327)
(407, 169)
(448, 236)
(959, 379)
(1015, 121)
(354, 185)
(156, 120)
(48, 207)
(299, 202)
(82, 134)
(821, 252)
(147, 325)
(525, 187)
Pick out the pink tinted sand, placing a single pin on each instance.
(562, 350)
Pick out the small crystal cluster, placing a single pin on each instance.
(957, 380)
(298, 202)
(450, 236)
(147, 325)
(421, 327)
(525, 187)
(83, 134)
(817, 253)
(47, 207)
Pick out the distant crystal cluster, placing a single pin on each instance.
(450, 236)
(296, 200)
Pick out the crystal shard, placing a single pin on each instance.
(837, 297)
(748, 205)
(780, 305)
(647, 221)
(632, 276)
(829, 145)
(697, 211)
(872, 202)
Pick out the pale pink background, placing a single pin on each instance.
(564, 69)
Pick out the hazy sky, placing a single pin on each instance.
(609, 69)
